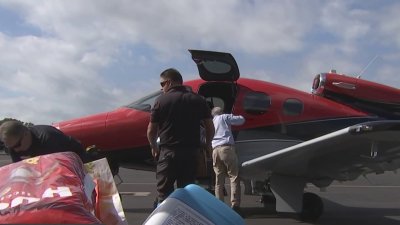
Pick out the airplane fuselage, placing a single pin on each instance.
(272, 112)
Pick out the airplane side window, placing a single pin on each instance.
(217, 67)
(292, 107)
(256, 103)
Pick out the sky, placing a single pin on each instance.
(65, 59)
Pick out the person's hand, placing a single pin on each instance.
(155, 151)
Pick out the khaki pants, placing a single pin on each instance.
(225, 163)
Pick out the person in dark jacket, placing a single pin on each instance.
(176, 118)
(26, 142)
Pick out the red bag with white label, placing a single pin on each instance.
(48, 189)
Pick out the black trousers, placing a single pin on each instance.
(175, 165)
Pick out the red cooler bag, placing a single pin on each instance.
(48, 189)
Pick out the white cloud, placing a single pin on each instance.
(340, 20)
(50, 74)
(251, 26)
(389, 26)
(80, 60)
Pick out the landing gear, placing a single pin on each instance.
(288, 195)
(269, 202)
(312, 207)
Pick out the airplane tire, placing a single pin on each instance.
(269, 202)
(268, 199)
(312, 207)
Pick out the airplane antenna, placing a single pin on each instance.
(365, 68)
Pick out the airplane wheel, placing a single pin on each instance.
(312, 207)
(269, 202)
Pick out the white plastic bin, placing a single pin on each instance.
(193, 205)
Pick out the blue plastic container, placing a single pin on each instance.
(193, 205)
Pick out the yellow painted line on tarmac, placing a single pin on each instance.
(136, 193)
(365, 186)
(137, 183)
(359, 186)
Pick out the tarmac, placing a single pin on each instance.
(367, 201)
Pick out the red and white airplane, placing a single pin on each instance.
(345, 128)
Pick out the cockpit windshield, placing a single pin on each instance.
(145, 103)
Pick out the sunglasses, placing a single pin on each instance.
(163, 83)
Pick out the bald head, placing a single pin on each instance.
(216, 111)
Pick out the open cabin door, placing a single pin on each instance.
(221, 72)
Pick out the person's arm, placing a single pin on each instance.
(54, 140)
(14, 156)
(210, 131)
(77, 147)
(236, 120)
(152, 130)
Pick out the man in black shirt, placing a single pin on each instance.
(175, 118)
(25, 142)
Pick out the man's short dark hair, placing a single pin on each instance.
(172, 75)
(12, 128)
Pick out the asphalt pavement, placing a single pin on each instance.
(367, 201)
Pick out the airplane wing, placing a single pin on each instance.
(372, 147)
